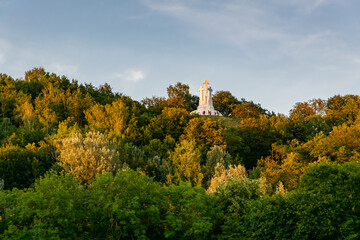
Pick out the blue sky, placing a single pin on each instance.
(274, 52)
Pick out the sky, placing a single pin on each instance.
(272, 52)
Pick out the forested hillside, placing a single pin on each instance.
(82, 162)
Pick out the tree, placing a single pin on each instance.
(234, 198)
(325, 205)
(6, 129)
(252, 140)
(186, 163)
(25, 112)
(128, 205)
(179, 95)
(341, 145)
(19, 167)
(342, 109)
(192, 214)
(85, 157)
(115, 120)
(154, 104)
(206, 133)
(327, 202)
(224, 102)
(286, 171)
(213, 157)
(171, 122)
(247, 110)
(7, 96)
(77, 104)
(223, 175)
(53, 209)
(51, 107)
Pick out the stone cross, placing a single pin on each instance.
(201, 90)
(206, 83)
(210, 92)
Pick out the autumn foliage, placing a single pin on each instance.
(83, 162)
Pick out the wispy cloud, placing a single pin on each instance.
(253, 26)
(309, 5)
(239, 22)
(131, 75)
(63, 69)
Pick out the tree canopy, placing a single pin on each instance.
(83, 162)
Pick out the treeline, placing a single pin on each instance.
(78, 161)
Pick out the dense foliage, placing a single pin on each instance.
(82, 162)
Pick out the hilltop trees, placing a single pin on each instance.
(91, 163)
(179, 95)
(224, 102)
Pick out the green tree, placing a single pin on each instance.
(252, 140)
(216, 155)
(324, 206)
(192, 214)
(127, 206)
(19, 167)
(155, 104)
(171, 122)
(234, 198)
(53, 209)
(6, 129)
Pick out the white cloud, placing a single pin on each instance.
(131, 75)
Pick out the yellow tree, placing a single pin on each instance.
(7, 95)
(205, 132)
(247, 110)
(342, 145)
(77, 103)
(186, 163)
(85, 157)
(223, 175)
(25, 111)
(113, 119)
(282, 168)
(50, 106)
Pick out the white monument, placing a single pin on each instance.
(205, 102)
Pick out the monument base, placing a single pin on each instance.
(206, 110)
